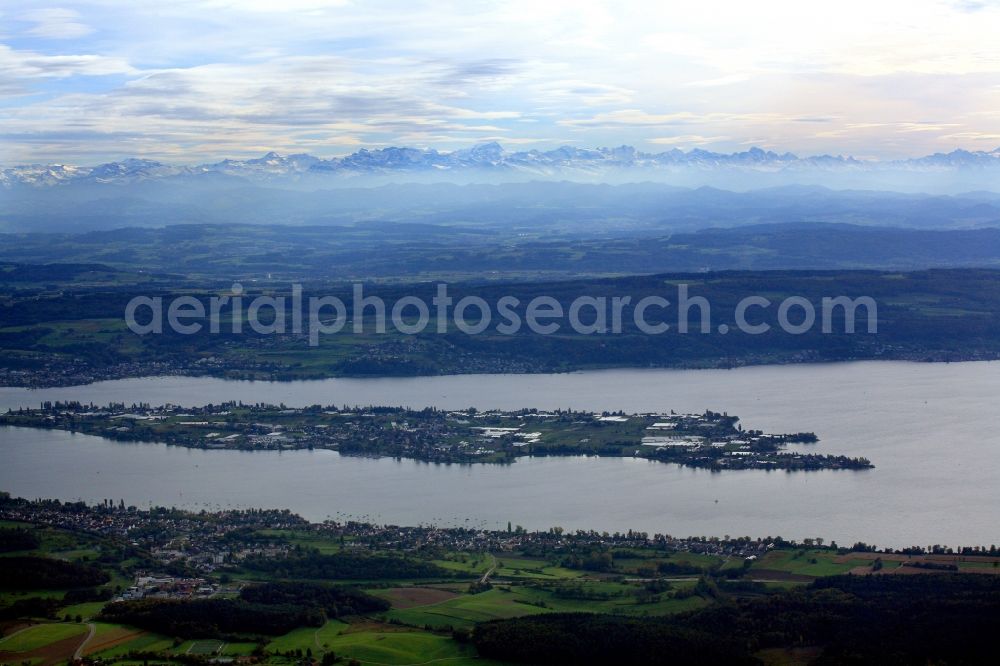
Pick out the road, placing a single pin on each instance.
(486, 576)
(78, 655)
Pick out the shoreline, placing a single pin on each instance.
(709, 440)
(281, 379)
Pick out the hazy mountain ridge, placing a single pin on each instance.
(415, 251)
(492, 160)
(521, 209)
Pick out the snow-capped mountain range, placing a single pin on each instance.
(566, 162)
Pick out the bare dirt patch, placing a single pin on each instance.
(781, 576)
(366, 626)
(864, 570)
(9, 628)
(974, 570)
(896, 557)
(789, 656)
(111, 639)
(411, 597)
(457, 588)
(54, 653)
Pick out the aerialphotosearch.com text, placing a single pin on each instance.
(317, 316)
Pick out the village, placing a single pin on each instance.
(183, 550)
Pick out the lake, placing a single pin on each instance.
(932, 430)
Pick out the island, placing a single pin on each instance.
(710, 440)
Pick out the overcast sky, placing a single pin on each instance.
(82, 82)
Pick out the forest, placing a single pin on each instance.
(840, 620)
(26, 573)
(335, 601)
(207, 618)
(345, 566)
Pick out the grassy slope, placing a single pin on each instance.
(39, 636)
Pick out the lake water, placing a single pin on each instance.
(932, 430)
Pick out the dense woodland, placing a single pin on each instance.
(27, 573)
(335, 601)
(268, 609)
(212, 617)
(947, 619)
(17, 538)
(346, 566)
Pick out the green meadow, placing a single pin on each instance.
(39, 636)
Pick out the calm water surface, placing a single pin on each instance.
(932, 430)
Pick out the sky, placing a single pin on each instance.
(192, 82)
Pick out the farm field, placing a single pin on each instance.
(519, 567)
(308, 595)
(806, 562)
(109, 636)
(307, 638)
(141, 642)
(85, 611)
(409, 597)
(385, 644)
(517, 600)
(39, 636)
(205, 647)
(42, 645)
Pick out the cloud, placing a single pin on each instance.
(969, 6)
(633, 117)
(574, 92)
(32, 65)
(720, 81)
(688, 140)
(992, 139)
(292, 103)
(476, 72)
(55, 23)
(639, 118)
(20, 70)
(165, 77)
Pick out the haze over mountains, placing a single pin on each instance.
(385, 250)
(959, 170)
(518, 209)
(398, 212)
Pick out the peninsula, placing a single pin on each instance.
(711, 440)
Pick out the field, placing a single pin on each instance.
(371, 642)
(42, 645)
(111, 636)
(384, 644)
(237, 649)
(324, 545)
(415, 630)
(805, 563)
(307, 638)
(517, 600)
(474, 565)
(85, 610)
(205, 647)
(550, 573)
(39, 636)
(142, 641)
(520, 567)
(409, 597)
